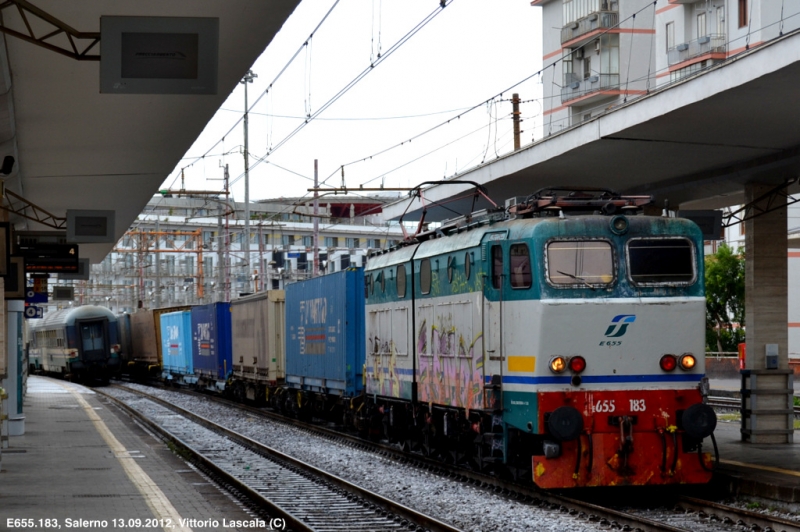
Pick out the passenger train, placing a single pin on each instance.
(559, 339)
(79, 343)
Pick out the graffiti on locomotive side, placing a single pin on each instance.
(451, 372)
(384, 382)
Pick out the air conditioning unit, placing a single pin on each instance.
(579, 53)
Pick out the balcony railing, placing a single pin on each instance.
(575, 86)
(591, 22)
(708, 44)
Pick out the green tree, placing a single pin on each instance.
(724, 299)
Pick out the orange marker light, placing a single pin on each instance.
(558, 364)
(688, 361)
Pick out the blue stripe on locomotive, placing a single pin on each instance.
(176, 342)
(325, 337)
(211, 340)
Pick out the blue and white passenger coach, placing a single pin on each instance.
(80, 343)
(562, 337)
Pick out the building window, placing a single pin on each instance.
(701, 25)
(351, 243)
(287, 240)
(308, 241)
(670, 36)
(742, 13)
(331, 241)
(721, 20)
(587, 67)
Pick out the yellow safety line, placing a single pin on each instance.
(153, 496)
(765, 468)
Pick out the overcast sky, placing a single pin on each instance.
(469, 52)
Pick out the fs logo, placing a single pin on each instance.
(619, 325)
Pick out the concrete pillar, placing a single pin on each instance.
(766, 397)
(14, 382)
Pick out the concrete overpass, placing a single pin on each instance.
(695, 143)
(725, 136)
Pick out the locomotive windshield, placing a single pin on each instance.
(580, 262)
(661, 261)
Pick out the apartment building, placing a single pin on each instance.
(599, 54)
(188, 250)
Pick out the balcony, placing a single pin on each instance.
(594, 21)
(576, 87)
(706, 45)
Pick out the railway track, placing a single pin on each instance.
(308, 498)
(686, 514)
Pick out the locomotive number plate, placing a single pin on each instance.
(610, 405)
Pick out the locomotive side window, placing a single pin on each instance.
(520, 263)
(401, 281)
(467, 264)
(575, 263)
(425, 276)
(451, 267)
(661, 261)
(497, 266)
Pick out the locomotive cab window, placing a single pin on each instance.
(580, 263)
(661, 261)
(520, 264)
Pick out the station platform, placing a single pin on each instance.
(82, 464)
(761, 471)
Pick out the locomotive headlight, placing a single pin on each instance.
(688, 361)
(558, 364)
(668, 362)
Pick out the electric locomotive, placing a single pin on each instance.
(561, 339)
(80, 343)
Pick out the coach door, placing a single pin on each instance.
(93, 340)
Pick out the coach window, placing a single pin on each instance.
(425, 276)
(367, 284)
(497, 266)
(467, 265)
(401, 281)
(520, 263)
(579, 263)
(661, 261)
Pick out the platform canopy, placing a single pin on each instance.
(76, 148)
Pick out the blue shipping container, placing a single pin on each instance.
(176, 342)
(325, 338)
(211, 340)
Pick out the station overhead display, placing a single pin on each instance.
(159, 55)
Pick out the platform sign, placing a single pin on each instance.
(44, 257)
(37, 290)
(33, 312)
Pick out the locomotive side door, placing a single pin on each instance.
(493, 280)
